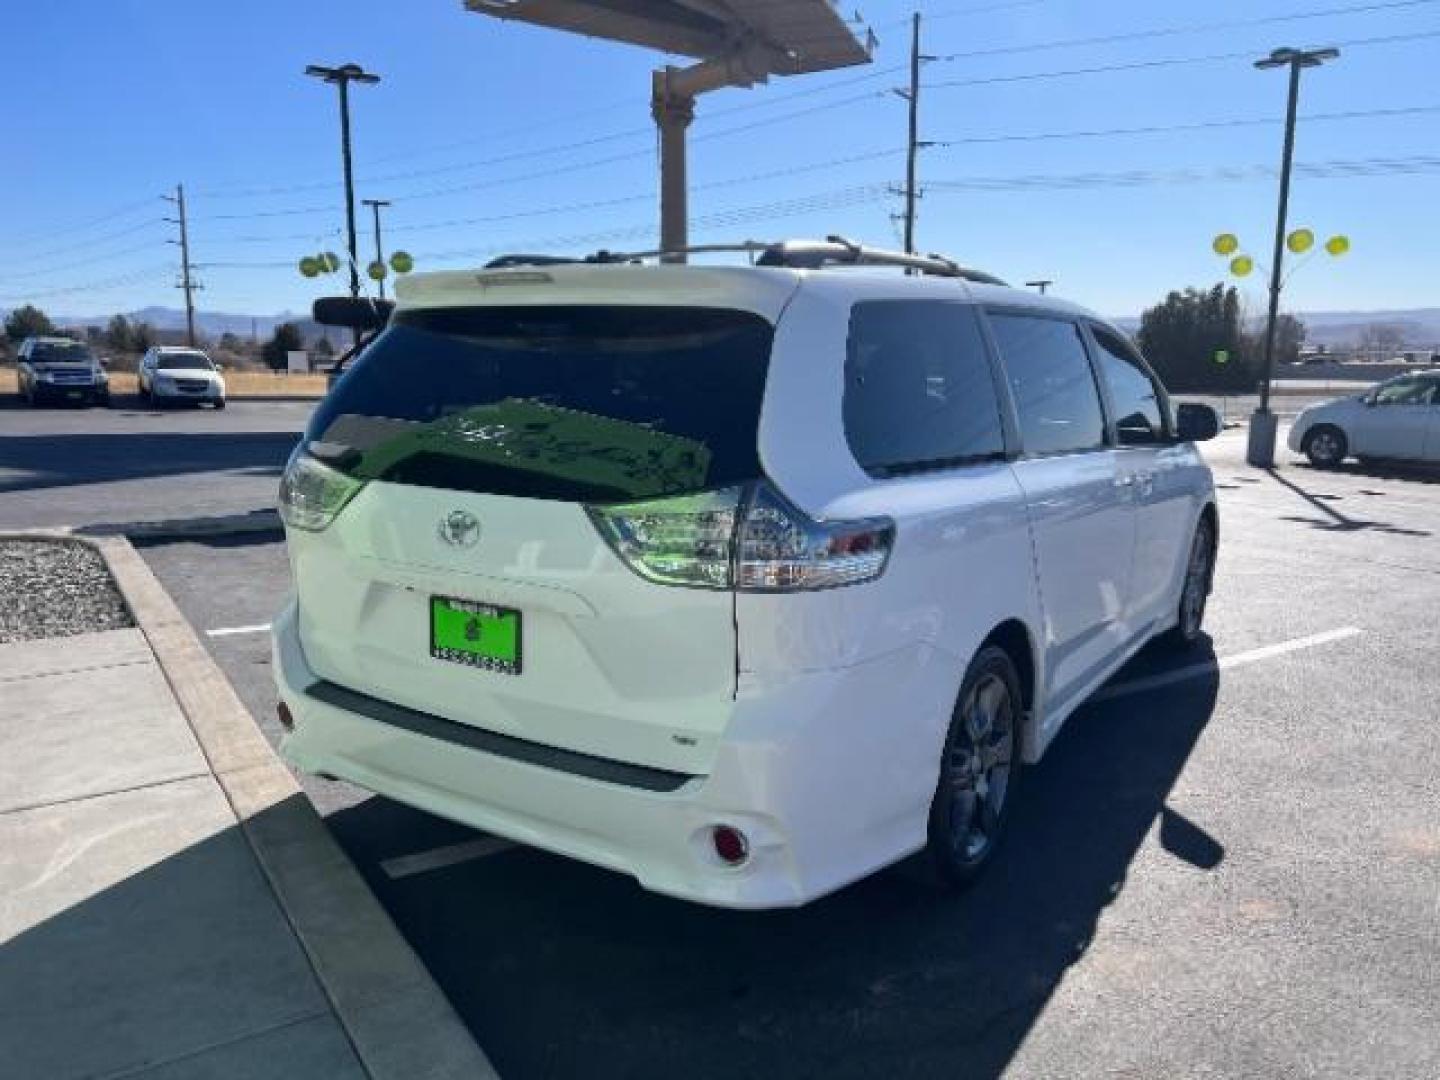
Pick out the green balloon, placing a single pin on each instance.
(376, 270)
(310, 266)
(401, 262)
(329, 262)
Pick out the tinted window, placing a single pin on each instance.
(918, 388)
(1050, 378)
(1410, 390)
(572, 403)
(60, 352)
(190, 361)
(1138, 413)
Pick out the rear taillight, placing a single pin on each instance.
(750, 539)
(312, 493)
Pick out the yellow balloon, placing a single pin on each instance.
(1241, 265)
(1226, 244)
(376, 270)
(1300, 241)
(309, 266)
(401, 262)
(1337, 245)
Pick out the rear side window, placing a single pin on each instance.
(583, 403)
(1052, 383)
(1139, 416)
(919, 392)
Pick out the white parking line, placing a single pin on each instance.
(230, 631)
(1195, 671)
(422, 861)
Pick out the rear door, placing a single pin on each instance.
(1082, 519)
(468, 577)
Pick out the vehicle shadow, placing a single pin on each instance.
(564, 970)
(37, 462)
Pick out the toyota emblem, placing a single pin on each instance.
(460, 528)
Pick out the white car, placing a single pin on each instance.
(743, 581)
(1397, 420)
(170, 374)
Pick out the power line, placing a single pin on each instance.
(89, 223)
(133, 278)
(1178, 31)
(1163, 129)
(90, 261)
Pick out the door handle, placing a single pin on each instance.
(1124, 481)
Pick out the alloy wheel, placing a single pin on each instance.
(979, 765)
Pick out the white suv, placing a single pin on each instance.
(745, 581)
(171, 373)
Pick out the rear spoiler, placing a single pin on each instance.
(352, 312)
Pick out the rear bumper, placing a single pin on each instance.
(814, 772)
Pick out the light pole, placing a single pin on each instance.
(342, 77)
(1260, 450)
(375, 205)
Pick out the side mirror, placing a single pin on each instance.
(1195, 422)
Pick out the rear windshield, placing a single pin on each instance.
(568, 403)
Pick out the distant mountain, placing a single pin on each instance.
(1421, 326)
(211, 324)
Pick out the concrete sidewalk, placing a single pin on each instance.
(170, 904)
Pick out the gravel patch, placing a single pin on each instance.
(55, 588)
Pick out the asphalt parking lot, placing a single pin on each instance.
(1228, 864)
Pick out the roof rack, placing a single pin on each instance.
(795, 254)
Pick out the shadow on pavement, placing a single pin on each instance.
(1335, 520)
(138, 933)
(49, 461)
(564, 970)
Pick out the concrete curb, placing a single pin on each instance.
(400, 1024)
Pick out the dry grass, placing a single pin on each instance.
(238, 384)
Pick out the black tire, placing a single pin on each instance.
(220, 404)
(975, 791)
(1189, 625)
(1326, 446)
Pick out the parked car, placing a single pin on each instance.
(58, 369)
(170, 374)
(1399, 420)
(744, 581)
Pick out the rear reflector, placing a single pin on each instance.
(730, 845)
(282, 713)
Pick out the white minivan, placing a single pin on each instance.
(744, 581)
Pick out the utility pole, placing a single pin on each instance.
(375, 205)
(1260, 450)
(187, 282)
(342, 77)
(913, 145)
(1042, 284)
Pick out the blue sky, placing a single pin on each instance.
(544, 137)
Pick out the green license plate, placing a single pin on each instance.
(478, 635)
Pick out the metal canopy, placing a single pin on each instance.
(797, 36)
(734, 43)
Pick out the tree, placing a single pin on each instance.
(1380, 341)
(1289, 336)
(118, 334)
(1183, 335)
(27, 321)
(276, 351)
(142, 336)
(324, 348)
(230, 343)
